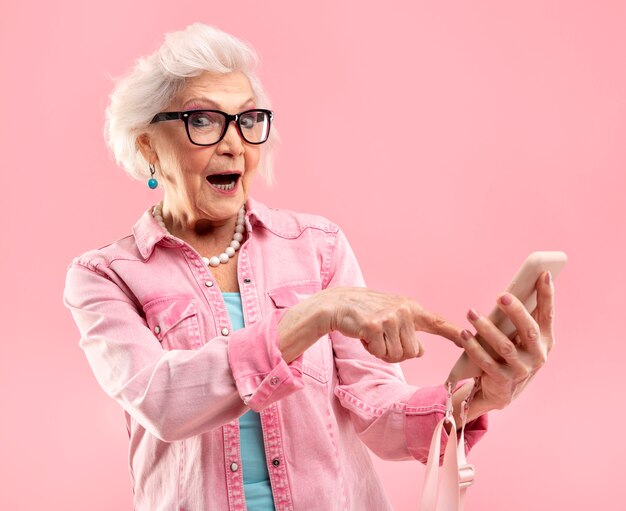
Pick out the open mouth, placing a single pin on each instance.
(224, 182)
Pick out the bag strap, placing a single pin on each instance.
(456, 473)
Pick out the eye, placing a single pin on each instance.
(248, 120)
(205, 120)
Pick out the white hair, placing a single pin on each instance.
(155, 79)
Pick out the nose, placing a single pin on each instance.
(232, 142)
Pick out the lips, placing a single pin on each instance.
(225, 177)
(224, 181)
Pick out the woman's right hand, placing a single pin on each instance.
(386, 324)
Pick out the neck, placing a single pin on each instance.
(205, 236)
(199, 230)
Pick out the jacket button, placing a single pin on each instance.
(157, 329)
(246, 281)
(209, 283)
(274, 380)
(234, 467)
(275, 462)
(225, 331)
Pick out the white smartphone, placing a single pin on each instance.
(523, 287)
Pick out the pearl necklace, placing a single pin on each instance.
(225, 256)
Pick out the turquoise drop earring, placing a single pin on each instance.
(152, 183)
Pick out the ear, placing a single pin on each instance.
(144, 144)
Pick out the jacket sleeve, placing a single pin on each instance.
(394, 419)
(179, 393)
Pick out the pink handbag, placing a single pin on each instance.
(444, 490)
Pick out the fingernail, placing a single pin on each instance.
(466, 334)
(506, 299)
(472, 315)
(548, 278)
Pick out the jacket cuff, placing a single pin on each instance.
(424, 410)
(261, 374)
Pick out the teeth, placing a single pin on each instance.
(226, 187)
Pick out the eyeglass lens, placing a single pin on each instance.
(207, 127)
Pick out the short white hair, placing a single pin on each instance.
(155, 79)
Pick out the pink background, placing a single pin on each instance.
(495, 129)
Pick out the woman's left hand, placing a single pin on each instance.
(502, 381)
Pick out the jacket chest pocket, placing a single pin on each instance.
(174, 322)
(317, 359)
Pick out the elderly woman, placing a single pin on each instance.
(229, 331)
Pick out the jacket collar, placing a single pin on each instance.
(148, 232)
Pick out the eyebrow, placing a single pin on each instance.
(207, 101)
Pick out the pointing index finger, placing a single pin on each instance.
(435, 324)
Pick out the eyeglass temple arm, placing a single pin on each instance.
(166, 116)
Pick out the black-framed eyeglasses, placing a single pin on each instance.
(208, 127)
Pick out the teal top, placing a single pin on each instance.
(256, 478)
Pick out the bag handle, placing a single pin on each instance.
(456, 473)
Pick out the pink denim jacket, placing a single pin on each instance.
(155, 330)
